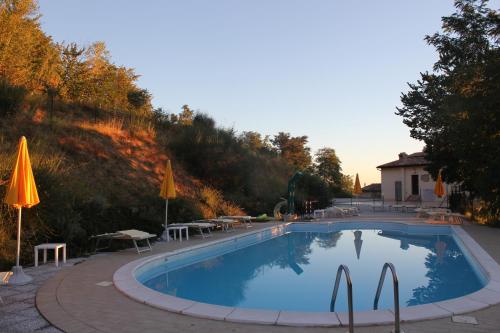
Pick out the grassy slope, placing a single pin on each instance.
(92, 177)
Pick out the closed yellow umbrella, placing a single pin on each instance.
(167, 190)
(439, 187)
(357, 186)
(21, 192)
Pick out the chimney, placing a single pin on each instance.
(403, 155)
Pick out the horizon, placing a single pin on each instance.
(285, 74)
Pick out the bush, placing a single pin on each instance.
(11, 98)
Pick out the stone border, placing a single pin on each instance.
(125, 281)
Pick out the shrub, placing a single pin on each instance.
(11, 98)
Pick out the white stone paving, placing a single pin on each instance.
(18, 313)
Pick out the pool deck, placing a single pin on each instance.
(72, 301)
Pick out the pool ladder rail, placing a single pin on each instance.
(345, 269)
(349, 294)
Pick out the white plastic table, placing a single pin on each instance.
(50, 246)
(176, 228)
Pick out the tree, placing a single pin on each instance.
(455, 109)
(186, 116)
(74, 72)
(328, 166)
(252, 140)
(28, 57)
(293, 150)
(138, 98)
(347, 184)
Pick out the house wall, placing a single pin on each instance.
(426, 183)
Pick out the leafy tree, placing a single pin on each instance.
(328, 166)
(347, 184)
(455, 109)
(186, 116)
(74, 72)
(252, 140)
(138, 98)
(293, 150)
(28, 57)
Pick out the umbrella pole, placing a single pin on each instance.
(18, 277)
(18, 253)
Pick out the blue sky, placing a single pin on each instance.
(331, 70)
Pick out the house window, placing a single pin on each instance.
(414, 185)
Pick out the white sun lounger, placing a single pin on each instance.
(246, 220)
(224, 224)
(199, 226)
(132, 234)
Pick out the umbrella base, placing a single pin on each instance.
(18, 276)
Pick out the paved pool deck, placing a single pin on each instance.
(72, 301)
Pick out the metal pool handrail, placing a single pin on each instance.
(395, 283)
(349, 294)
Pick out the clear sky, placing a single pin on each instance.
(331, 70)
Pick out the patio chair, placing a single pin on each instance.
(132, 234)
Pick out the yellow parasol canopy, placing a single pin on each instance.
(21, 193)
(22, 188)
(357, 186)
(167, 190)
(439, 187)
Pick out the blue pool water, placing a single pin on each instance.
(293, 268)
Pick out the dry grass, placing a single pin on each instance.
(112, 128)
(212, 204)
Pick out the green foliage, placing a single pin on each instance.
(254, 142)
(81, 75)
(139, 98)
(328, 166)
(293, 150)
(454, 109)
(11, 97)
(186, 116)
(313, 187)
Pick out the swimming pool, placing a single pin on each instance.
(292, 268)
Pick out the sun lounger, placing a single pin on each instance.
(350, 211)
(426, 212)
(224, 223)
(246, 220)
(444, 218)
(200, 226)
(334, 212)
(132, 234)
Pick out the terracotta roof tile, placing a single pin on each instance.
(415, 159)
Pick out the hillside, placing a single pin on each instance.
(95, 176)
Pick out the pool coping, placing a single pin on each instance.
(125, 281)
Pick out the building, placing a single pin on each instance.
(372, 190)
(406, 180)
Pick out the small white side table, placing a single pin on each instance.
(50, 246)
(175, 229)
